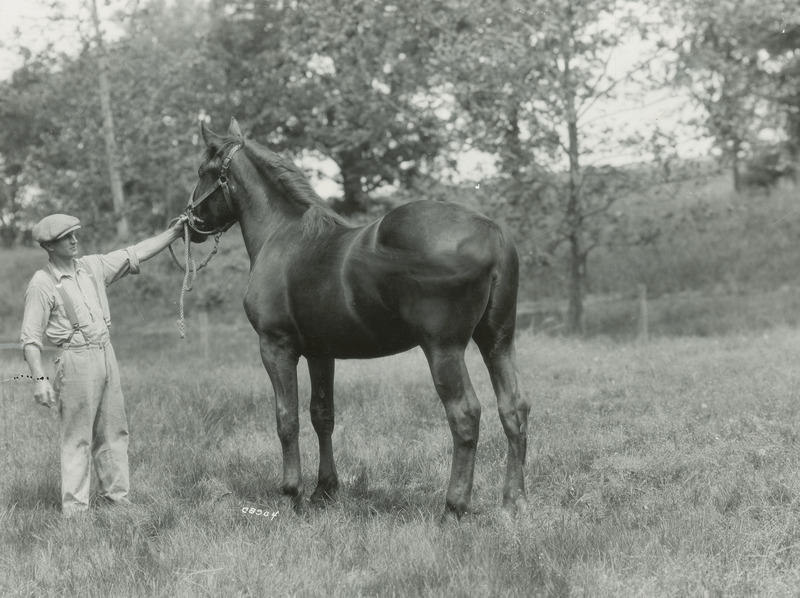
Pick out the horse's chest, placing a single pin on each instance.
(266, 299)
(283, 295)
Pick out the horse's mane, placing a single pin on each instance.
(318, 217)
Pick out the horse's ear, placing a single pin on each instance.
(234, 129)
(211, 138)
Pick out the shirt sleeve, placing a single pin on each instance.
(38, 305)
(110, 267)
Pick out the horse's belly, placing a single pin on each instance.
(357, 351)
(356, 342)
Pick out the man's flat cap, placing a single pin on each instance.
(55, 226)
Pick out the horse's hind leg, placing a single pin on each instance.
(322, 418)
(494, 336)
(463, 411)
(514, 417)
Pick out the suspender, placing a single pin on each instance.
(69, 307)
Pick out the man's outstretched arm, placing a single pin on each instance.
(155, 245)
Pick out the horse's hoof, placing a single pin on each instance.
(516, 507)
(322, 497)
(449, 518)
(293, 502)
(454, 512)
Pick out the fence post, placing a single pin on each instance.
(204, 332)
(643, 316)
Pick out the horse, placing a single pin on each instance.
(428, 273)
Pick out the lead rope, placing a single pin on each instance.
(187, 261)
(186, 287)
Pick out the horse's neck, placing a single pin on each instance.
(265, 221)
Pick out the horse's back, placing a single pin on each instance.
(433, 227)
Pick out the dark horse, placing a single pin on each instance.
(428, 274)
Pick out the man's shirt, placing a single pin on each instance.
(45, 315)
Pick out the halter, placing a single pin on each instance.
(221, 182)
(189, 266)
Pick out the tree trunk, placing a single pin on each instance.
(513, 157)
(574, 215)
(10, 229)
(112, 159)
(354, 200)
(737, 176)
(575, 288)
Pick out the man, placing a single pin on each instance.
(66, 303)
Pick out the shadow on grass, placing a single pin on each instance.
(201, 478)
(385, 501)
(29, 493)
(31, 505)
(362, 499)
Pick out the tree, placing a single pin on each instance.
(779, 37)
(23, 125)
(737, 59)
(340, 79)
(159, 85)
(531, 79)
(109, 137)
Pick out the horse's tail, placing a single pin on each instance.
(496, 328)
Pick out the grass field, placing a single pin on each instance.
(664, 469)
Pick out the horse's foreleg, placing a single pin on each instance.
(464, 415)
(322, 418)
(281, 365)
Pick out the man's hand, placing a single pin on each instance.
(42, 389)
(44, 394)
(178, 226)
(154, 245)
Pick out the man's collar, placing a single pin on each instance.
(59, 274)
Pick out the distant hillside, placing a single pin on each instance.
(710, 237)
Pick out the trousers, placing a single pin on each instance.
(94, 427)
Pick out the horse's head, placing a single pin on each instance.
(211, 208)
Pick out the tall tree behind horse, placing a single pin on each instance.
(428, 274)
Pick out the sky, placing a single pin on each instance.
(27, 17)
(29, 20)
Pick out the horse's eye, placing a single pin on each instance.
(200, 171)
